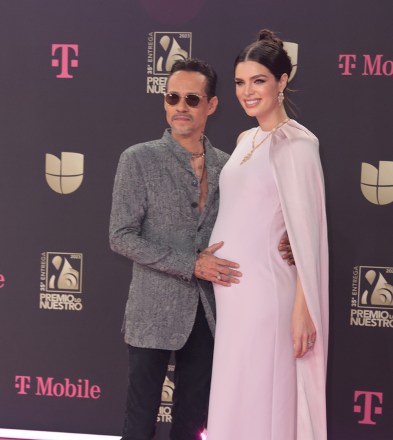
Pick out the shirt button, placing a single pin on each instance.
(194, 205)
(194, 182)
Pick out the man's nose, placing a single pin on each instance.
(181, 105)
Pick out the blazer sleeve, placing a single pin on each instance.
(129, 206)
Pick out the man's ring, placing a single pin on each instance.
(218, 277)
(310, 344)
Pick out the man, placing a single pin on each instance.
(165, 203)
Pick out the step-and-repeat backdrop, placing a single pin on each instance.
(80, 81)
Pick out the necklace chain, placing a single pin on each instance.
(198, 160)
(254, 147)
(197, 155)
(203, 154)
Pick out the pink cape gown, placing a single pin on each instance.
(259, 391)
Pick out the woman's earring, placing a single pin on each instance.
(280, 98)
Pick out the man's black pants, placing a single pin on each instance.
(147, 371)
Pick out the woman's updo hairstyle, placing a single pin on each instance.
(269, 51)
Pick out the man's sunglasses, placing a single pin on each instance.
(192, 99)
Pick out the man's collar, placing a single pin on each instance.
(169, 138)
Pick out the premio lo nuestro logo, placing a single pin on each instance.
(165, 412)
(61, 281)
(377, 183)
(372, 297)
(163, 50)
(64, 175)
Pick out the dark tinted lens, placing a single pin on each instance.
(192, 100)
(172, 98)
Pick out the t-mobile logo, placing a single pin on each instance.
(347, 62)
(22, 384)
(62, 54)
(368, 403)
(370, 65)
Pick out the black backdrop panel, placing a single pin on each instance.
(84, 77)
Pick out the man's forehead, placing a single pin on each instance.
(194, 81)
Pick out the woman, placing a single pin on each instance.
(271, 339)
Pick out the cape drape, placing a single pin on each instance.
(294, 156)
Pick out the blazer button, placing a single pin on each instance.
(194, 182)
(194, 205)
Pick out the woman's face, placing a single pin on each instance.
(257, 90)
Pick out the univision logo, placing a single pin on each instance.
(377, 183)
(64, 175)
(292, 51)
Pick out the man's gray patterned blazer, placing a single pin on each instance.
(155, 222)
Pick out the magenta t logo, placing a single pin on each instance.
(22, 383)
(64, 61)
(367, 406)
(347, 62)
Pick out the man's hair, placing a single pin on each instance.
(196, 65)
